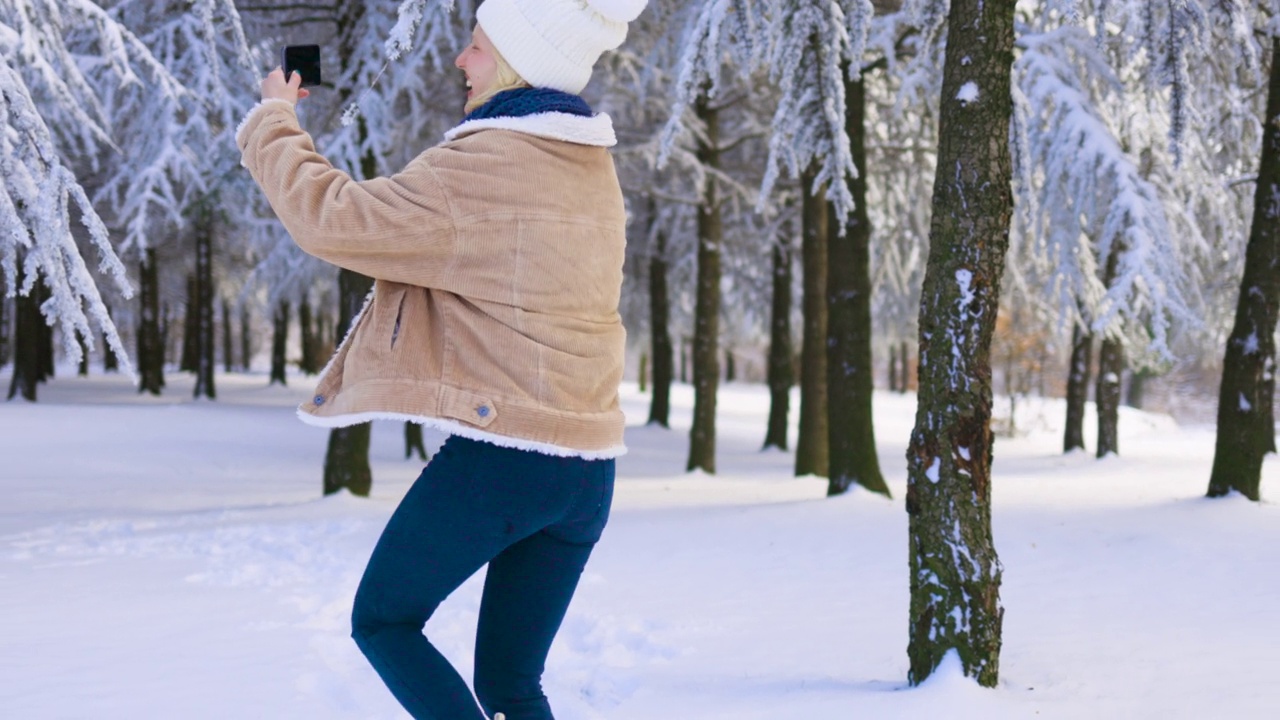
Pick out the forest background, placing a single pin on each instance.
(776, 157)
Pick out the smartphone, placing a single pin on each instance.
(303, 59)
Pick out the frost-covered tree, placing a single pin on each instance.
(703, 98)
(813, 51)
(169, 185)
(955, 572)
(1118, 128)
(60, 57)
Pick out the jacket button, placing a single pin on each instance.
(483, 411)
(318, 400)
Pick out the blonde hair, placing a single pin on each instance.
(505, 78)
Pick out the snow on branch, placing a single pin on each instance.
(708, 39)
(35, 210)
(1095, 198)
(423, 28)
(811, 42)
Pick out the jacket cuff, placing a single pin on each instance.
(250, 121)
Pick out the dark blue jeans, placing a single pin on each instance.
(534, 519)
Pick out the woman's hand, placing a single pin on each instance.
(275, 87)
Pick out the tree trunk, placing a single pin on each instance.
(346, 462)
(893, 367)
(246, 335)
(660, 334)
(190, 333)
(44, 333)
(1106, 396)
(684, 360)
(1135, 395)
(955, 572)
(1106, 393)
(5, 332)
(26, 342)
(730, 367)
(706, 324)
(1246, 423)
(850, 370)
(413, 441)
(82, 367)
(812, 449)
(279, 343)
(310, 363)
(206, 362)
(904, 378)
(1078, 374)
(781, 372)
(228, 363)
(110, 363)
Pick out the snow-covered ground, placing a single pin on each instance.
(163, 558)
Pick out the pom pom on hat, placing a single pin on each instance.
(555, 43)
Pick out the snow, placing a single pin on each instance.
(968, 92)
(162, 558)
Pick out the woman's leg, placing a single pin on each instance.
(526, 594)
(472, 501)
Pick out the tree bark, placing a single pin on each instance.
(190, 333)
(684, 359)
(246, 334)
(44, 333)
(1136, 394)
(110, 363)
(1078, 375)
(904, 378)
(26, 342)
(1246, 422)
(413, 441)
(812, 449)
(706, 324)
(279, 343)
(228, 363)
(660, 333)
(310, 363)
(893, 367)
(781, 372)
(206, 363)
(5, 332)
(1106, 393)
(346, 462)
(850, 370)
(82, 367)
(1106, 396)
(955, 572)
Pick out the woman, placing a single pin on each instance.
(497, 257)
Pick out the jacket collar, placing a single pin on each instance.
(596, 130)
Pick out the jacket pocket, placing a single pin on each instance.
(395, 329)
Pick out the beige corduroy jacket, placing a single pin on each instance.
(498, 259)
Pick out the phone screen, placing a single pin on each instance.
(304, 59)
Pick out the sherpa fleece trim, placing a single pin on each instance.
(262, 104)
(453, 428)
(596, 130)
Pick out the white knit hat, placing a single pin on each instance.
(555, 43)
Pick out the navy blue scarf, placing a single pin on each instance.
(530, 101)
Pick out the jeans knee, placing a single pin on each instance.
(502, 692)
